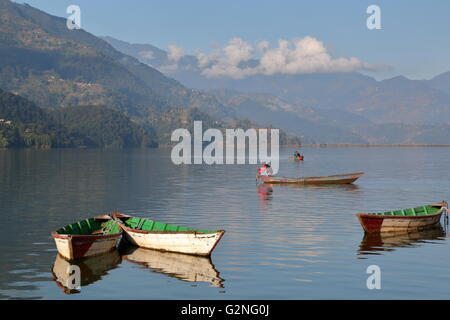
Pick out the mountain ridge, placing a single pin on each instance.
(343, 101)
(45, 62)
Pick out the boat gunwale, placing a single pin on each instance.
(332, 176)
(116, 216)
(92, 237)
(382, 216)
(105, 217)
(379, 216)
(273, 179)
(122, 225)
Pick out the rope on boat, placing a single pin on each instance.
(446, 211)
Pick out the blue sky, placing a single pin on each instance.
(414, 40)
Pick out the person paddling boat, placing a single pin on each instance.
(264, 170)
(297, 156)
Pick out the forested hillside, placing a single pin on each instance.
(24, 124)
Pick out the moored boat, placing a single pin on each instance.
(334, 179)
(156, 235)
(418, 218)
(87, 238)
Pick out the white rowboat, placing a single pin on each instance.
(151, 234)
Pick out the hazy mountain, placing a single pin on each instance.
(405, 133)
(396, 100)
(152, 56)
(311, 125)
(401, 100)
(441, 82)
(344, 107)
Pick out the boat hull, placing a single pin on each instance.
(73, 247)
(376, 223)
(335, 179)
(182, 242)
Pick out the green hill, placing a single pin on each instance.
(24, 124)
(60, 70)
(102, 127)
(182, 118)
(44, 61)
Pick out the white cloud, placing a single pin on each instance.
(174, 53)
(305, 55)
(225, 62)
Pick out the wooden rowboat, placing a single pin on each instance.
(335, 179)
(183, 267)
(87, 238)
(407, 220)
(151, 234)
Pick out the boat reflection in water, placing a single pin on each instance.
(177, 265)
(376, 243)
(265, 191)
(92, 269)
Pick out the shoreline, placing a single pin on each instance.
(322, 145)
(344, 145)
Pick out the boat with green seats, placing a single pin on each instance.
(417, 218)
(87, 237)
(411, 212)
(157, 235)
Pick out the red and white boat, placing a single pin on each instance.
(407, 220)
(87, 238)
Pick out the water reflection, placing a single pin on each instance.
(290, 234)
(377, 243)
(180, 266)
(265, 191)
(92, 269)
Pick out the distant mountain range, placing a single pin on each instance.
(54, 68)
(322, 107)
(141, 91)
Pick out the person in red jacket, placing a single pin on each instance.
(265, 170)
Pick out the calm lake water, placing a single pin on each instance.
(280, 243)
